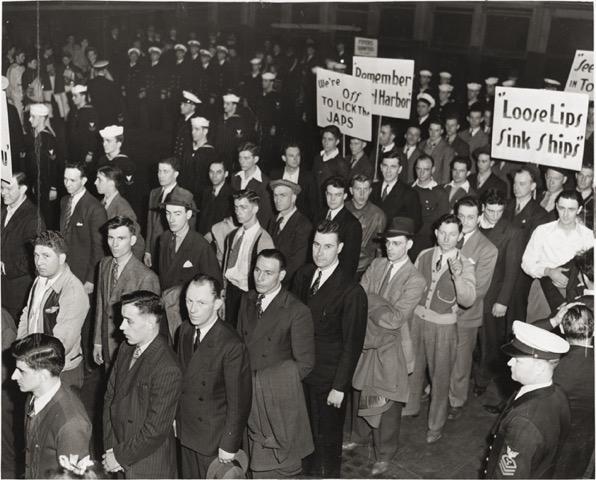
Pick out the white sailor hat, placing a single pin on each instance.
(191, 97)
(314, 70)
(425, 73)
(255, 61)
(101, 64)
(330, 64)
(112, 131)
(491, 80)
(531, 341)
(40, 109)
(221, 48)
(5, 82)
(268, 76)
(200, 122)
(79, 89)
(205, 52)
(179, 46)
(154, 49)
(445, 87)
(339, 66)
(133, 50)
(474, 86)
(550, 81)
(425, 97)
(445, 75)
(194, 43)
(509, 83)
(230, 97)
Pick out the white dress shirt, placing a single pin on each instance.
(334, 212)
(328, 156)
(40, 402)
(10, 209)
(325, 274)
(389, 186)
(257, 175)
(291, 176)
(238, 274)
(269, 297)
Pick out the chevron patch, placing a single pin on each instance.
(507, 463)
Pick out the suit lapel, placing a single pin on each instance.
(145, 362)
(125, 277)
(181, 254)
(207, 348)
(270, 317)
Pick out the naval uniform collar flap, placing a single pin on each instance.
(534, 394)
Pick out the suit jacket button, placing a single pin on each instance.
(203, 383)
(269, 338)
(200, 419)
(264, 356)
(200, 399)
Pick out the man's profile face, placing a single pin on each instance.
(27, 379)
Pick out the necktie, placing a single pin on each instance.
(460, 243)
(235, 250)
(385, 280)
(68, 212)
(384, 194)
(135, 355)
(104, 203)
(328, 217)
(163, 195)
(277, 228)
(315, 286)
(438, 264)
(31, 408)
(518, 208)
(173, 245)
(197, 340)
(354, 160)
(260, 305)
(113, 275)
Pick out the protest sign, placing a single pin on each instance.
(539, 126)
(366, 47)
(581, 75)
(392, 84)
(6, 165)
(344, 101)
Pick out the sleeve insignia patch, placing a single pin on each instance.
(507, 464)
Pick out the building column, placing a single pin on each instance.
(538, 34)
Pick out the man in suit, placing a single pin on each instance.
(19, 228)
(216, 202)
(396, 198)
(250, 177)
(459, 146)
(142, 395)
(585, 186)
(359, 162)
(336, 193)
(81, 218)
(483, 256)
(182, 252)
(56, 422)
(459, 187)
(168, 170)
(496, 317)
(294, 171)
(57, 304)
(278, 331)
(339, 308)
(438, 148)
(216, 384)
(394, 287)
(389, 149)
(474, 136)
(525, 213)
(409, 154)
(291, 231)
(118, 274)
(485, 179)
(329, 162)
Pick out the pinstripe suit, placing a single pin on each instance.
(139, 410)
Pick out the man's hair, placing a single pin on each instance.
(585, 263)
(493, 197)
(476, 108)
(578, 323)
(249, 147)
(80, 166)
(121, 221)
(447, 219)
(147, 302)
(530, 171)
(425, 156)
(172, 162)
(560, 171)
(467, 201)
(436, 121)
(40, 351)
(392, 128)
(204, 279)
(292, 144)
(452, 116)
(336, 182)
(111, 172)
(461, 159)
(20, 178)
(51, 239)
(329, 226)
(571, 195)
(252, 196)
(219, 161)
(361, 178)
(485, 150)
(274, 253)
(333, 130)
(588, 163)
(413, 125)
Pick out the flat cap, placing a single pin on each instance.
(194, 43)
(399, 226)
(205, 52)
(79, 89)
(445, 87)
(531, 341)
(112, 131)
(255, 61)
(222, 48)
(285, 183)
(180, 46)
(445, 75)
(179, 198)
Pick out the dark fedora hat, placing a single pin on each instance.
(235, 469)
(399, 226)
(180, 198)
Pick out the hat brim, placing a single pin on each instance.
(174, 203)
(395, 233)
(515, 348)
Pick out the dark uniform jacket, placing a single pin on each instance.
(230, 133)
(214, 209)
(105, 96)
(526, 438)
(350, 233)
(527, 219)
(194, 171)
(182, 138)
(434, 202)
(461, 147)
(339, 313)
(363, 166)
(139, 410)
(492, 182)
(83, 130)
(401, 201)
(216, 389)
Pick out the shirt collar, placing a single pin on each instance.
(474, 131)
(77, 196)
(421, 120)
(145, 345)
(218, 188)
(123, 261)
(40, 402)
(14, 206)
(209, 326)
(181, 235)
(268, 297)
(391, 184)
(57, 283)
(257, 175)
(485, 224)
(388, 148)
(252, 229)
(530, 388)
(464, 186)
(325, 274)
(167, 190)
(335, 211)
(397, 265)
(328, 156)
(108, 200)
(430, 186)
(287, 216)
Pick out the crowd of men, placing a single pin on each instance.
(267, 292)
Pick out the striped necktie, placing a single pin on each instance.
(68, 212)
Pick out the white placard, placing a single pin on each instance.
(581, 75)
(344, 101)
(366, 47)
(6, 159)
(392, 79)
(540, 126)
